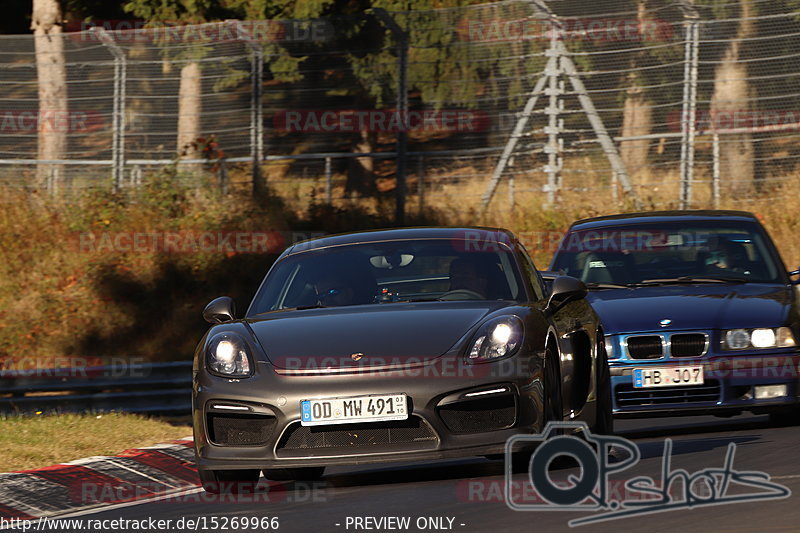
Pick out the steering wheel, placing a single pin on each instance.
(461, 294)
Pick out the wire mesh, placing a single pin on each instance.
(329, 87)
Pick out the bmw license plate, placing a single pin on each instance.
(672, 376)
(373, 408)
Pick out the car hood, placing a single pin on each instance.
(385, 334)
(701, 307)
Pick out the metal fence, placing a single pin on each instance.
(667, 103)
(135, 388)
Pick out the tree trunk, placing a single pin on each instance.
(361, 170)
(637, 120)
(46, 23)
(189, 111)
(637, 117)
(732, 95)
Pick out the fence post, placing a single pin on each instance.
(401, 37)
(136, 176)
(511, 183)
(328, 184)
(421, 182)
(715, 171)
(552, 111)
(614, 192)
(256, 104)
(223, 176)
(118, 109)
(689, 108)
(52, 179)
(257, 118)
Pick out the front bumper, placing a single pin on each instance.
(435, 392)
(728, 388)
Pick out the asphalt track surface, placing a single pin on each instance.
(470, 491)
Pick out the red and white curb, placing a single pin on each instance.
(136, 474)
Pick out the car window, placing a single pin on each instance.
(378, 273)
(627, 254)
(532, 273)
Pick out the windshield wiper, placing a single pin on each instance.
(299, 308)
(694, 279)
(609, 285)
(312, 306)
(412, 300)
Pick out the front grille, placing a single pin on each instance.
(485, 414)
(411, 434)
(241, 430)
(687, 344)
(645, 347)
(628, 396)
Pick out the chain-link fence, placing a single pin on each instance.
(667, 103)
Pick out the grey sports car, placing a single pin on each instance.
(394, 345)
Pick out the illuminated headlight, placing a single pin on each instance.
(226, 355)
(496, 339)
(609, 344)
(769, 392)
(741, 339)
(763, 338)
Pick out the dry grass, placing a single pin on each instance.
(56, 301)
(34, 442)
(453, 197)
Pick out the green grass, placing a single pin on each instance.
(39, 441)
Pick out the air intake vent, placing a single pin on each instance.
(396, 435)
(688, 344)
(241, 430)
(484, 414)
(708, 393)
(645, 347)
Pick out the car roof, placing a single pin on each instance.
(626, 219)
(479, 234)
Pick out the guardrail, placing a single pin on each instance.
(138, 388)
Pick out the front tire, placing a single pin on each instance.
(604, 419)
(229, 481)
(553, 409)
(553, 403)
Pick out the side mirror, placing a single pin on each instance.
(795, 273)
(565, 289)
(220, 310)
(548, 277)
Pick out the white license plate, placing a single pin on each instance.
(671, 376)
(373, 408)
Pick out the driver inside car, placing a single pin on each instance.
(346, 283)
(469, 275)
(728, 256)
(333, 291)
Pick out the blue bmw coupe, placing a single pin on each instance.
(699, 311)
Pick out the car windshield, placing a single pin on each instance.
(388, 272)
(713, 252)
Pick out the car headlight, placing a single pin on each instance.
(226, 355)
(741, 339)
(496, 339)
(611, 353)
